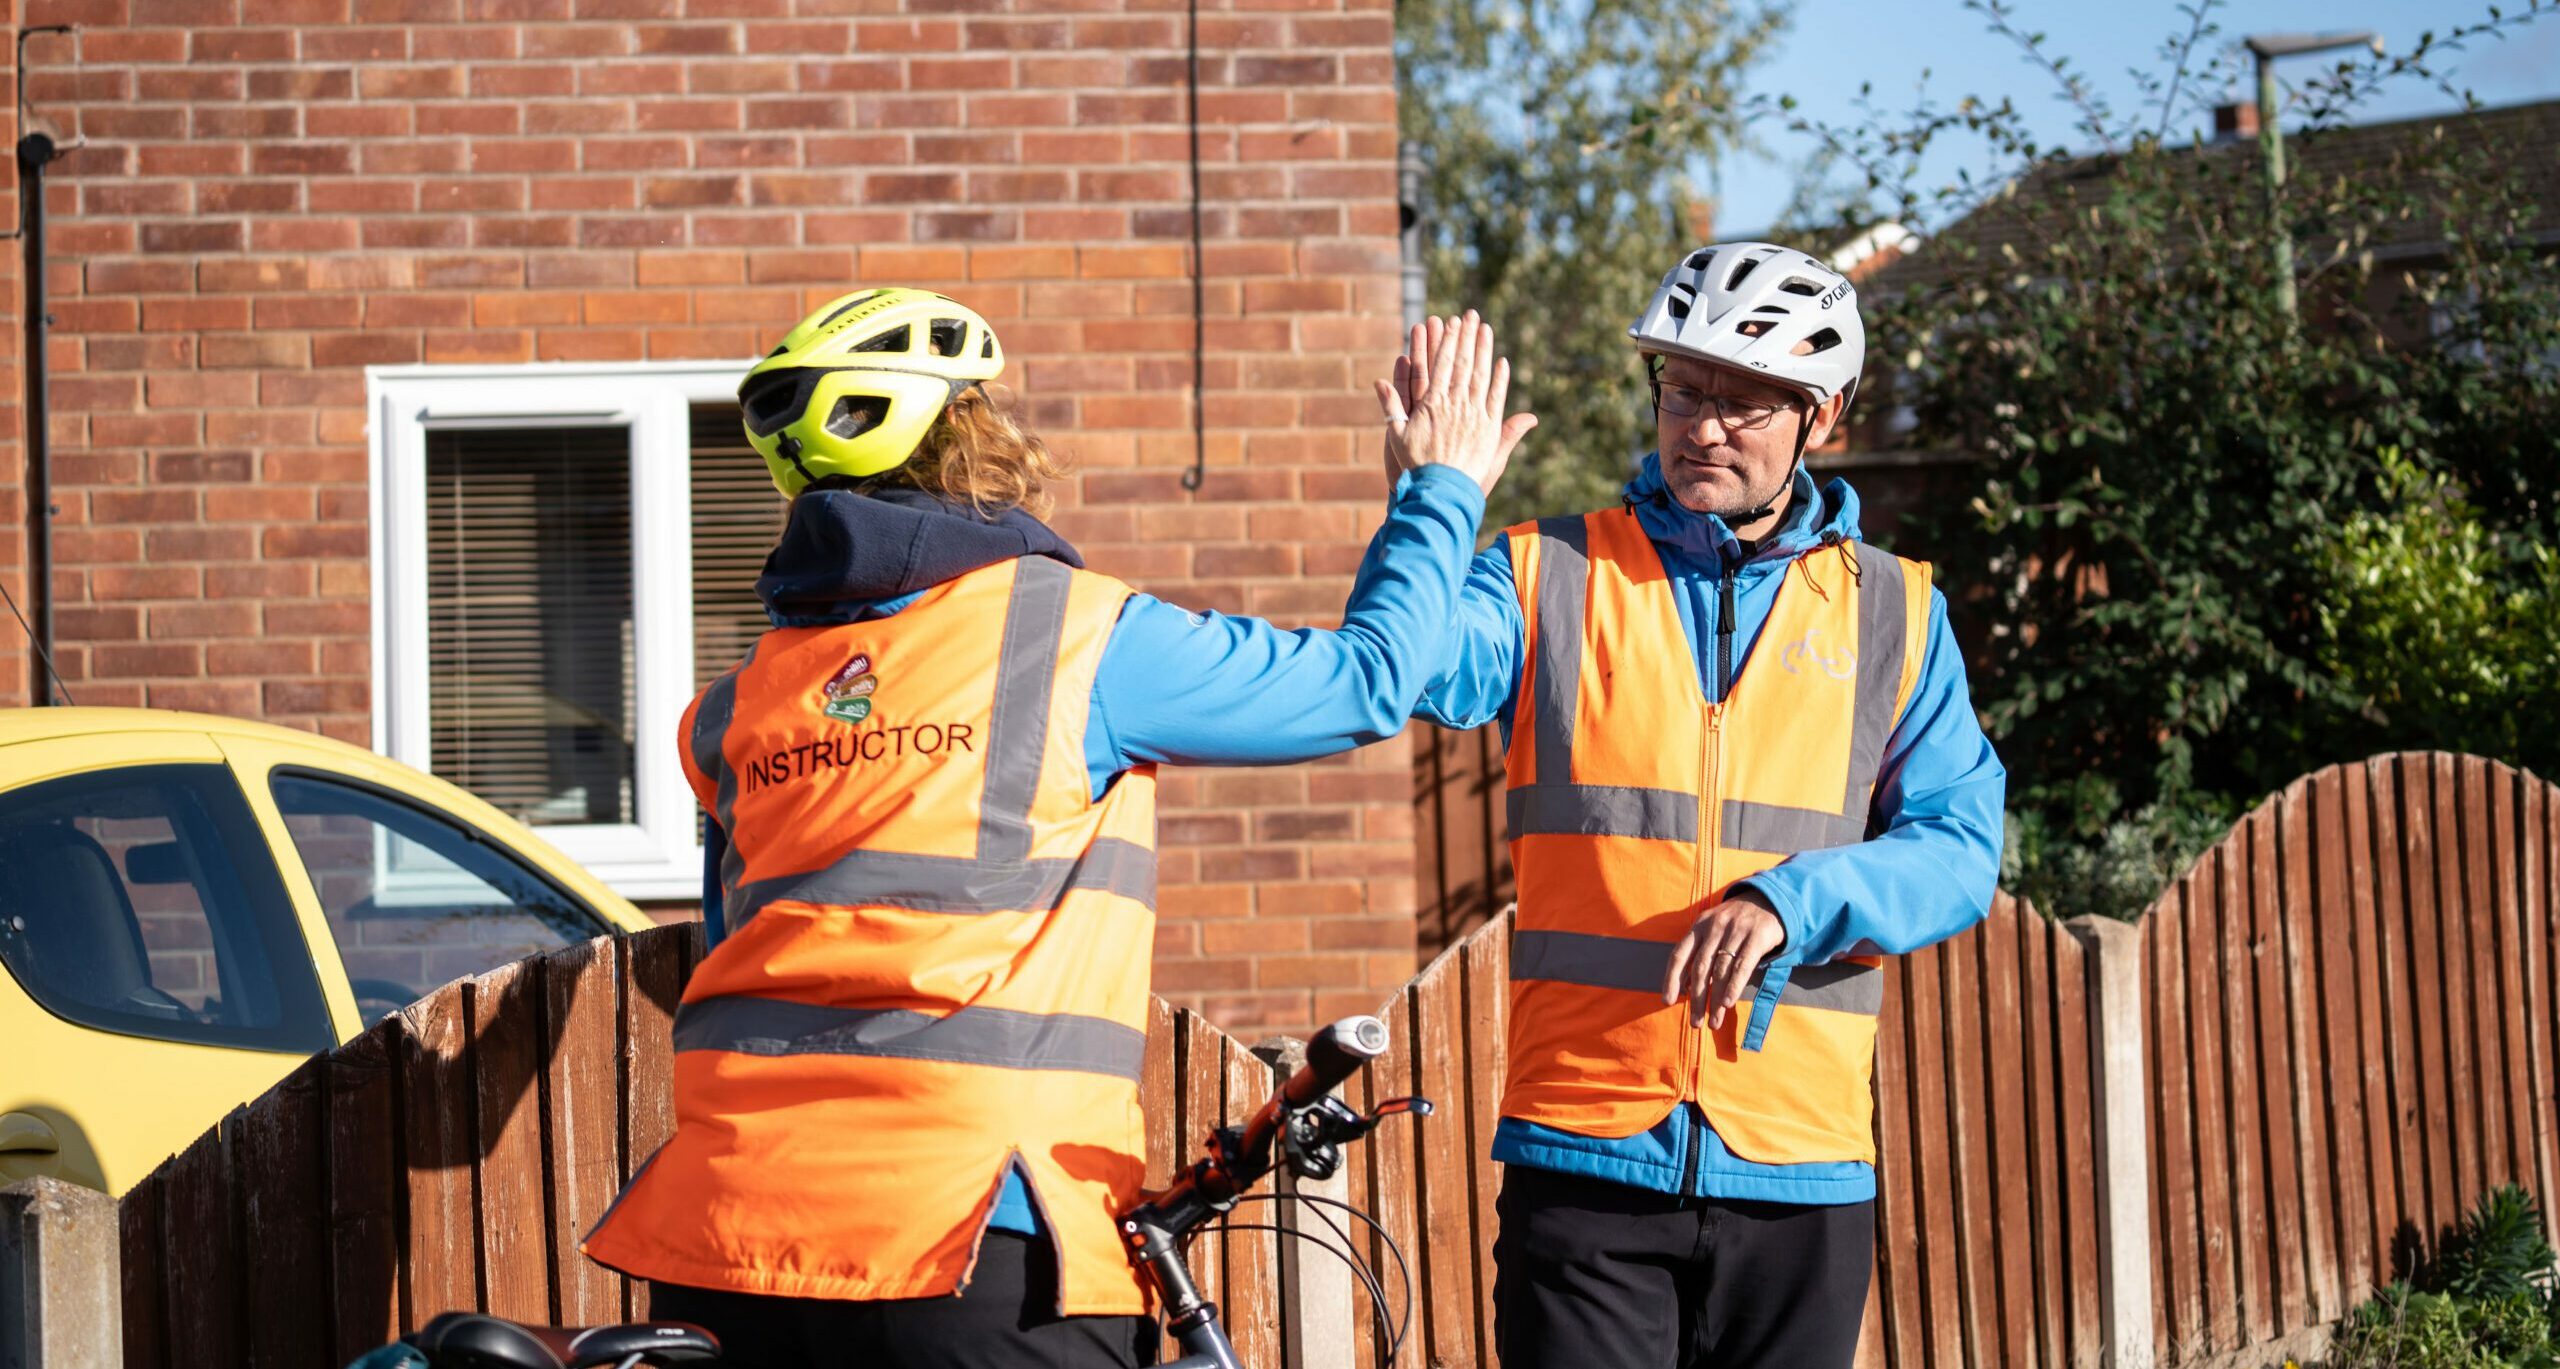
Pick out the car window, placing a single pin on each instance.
(416, 899)
(144, 901)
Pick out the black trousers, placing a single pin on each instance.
(1005, 1318)
(1595, 1275)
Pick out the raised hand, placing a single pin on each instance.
(1445, 405)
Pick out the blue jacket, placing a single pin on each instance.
(1928, 875)
(1175, 687)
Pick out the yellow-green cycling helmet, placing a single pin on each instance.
(854, 387)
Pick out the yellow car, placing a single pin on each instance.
(190, 905)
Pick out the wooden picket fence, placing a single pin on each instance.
(2351, 1033)
(453, 1156)
(2345, 1015)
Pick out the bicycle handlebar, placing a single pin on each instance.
(1338, 1052)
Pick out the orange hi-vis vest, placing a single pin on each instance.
(936, 964)
(1635, 804)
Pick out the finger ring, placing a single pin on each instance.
(1721, 955)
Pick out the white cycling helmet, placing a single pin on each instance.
(1707, 305)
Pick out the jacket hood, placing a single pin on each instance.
(842, 552)
(1813, 516)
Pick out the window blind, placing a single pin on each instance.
(529, 605)
(737, 516)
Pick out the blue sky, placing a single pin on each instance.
(1833, 45)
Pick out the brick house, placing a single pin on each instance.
(358, 306)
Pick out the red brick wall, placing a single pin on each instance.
(16, 661)
(278, 193)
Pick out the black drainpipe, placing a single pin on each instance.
(34, 151)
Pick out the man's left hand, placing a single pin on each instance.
(1711, 965)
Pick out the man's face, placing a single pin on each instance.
(1733, 462)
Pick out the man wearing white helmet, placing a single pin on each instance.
(1743, 767)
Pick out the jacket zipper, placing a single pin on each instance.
(1710, 821)
(1725, 614)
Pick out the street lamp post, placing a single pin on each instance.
(2266, 48)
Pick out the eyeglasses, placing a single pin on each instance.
(1736, 415)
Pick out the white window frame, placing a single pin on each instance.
(658, 856)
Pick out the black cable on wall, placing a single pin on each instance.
(1192, 478)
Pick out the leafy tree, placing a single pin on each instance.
(1559, 137)
(2174, 477)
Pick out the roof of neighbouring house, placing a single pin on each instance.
(2010, 217)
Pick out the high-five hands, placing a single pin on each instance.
(1444, 407)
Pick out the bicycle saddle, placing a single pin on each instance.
(471, 1340)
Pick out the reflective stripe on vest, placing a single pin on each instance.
(1669, 815)
(1001, 877)
(1626, 823)
(1610, 962)
(970, 1036)
(936, 965)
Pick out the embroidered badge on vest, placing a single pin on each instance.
(848, 694)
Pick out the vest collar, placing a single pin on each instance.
(842, 552)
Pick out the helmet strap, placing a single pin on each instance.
(789, 450)
(1804, 430)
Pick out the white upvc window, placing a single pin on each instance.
(539, 614)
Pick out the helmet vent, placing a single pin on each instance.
(1734, 281)
(1677, 305)
(1798, 285)
(1825, 340)
(855, 415)
(771, 400)
(988, 348)
(947, 336)
(895, 340)
(1698, 260)
(1778, 309)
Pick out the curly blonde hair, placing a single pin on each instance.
(977, 454)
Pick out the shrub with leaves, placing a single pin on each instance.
(2441, 624)
(2172, 475)
(2487, 1297)
(2404, 1329)
(2120, 870)
(2497, 1250)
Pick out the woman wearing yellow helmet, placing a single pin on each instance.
(906, 1074)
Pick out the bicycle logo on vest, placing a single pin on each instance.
(1842, 665)
(849, 692)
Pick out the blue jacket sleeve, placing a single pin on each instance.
(1183, 688)
(1479, 674)
(1931, 871)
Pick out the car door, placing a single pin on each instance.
(410, 891)
(158, 970)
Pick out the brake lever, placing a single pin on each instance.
(1417, 1105)
(1312, 1143)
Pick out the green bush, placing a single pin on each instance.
(2487, 1297)
(2084, 861)
(2443, 626)
(2404, 1329)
